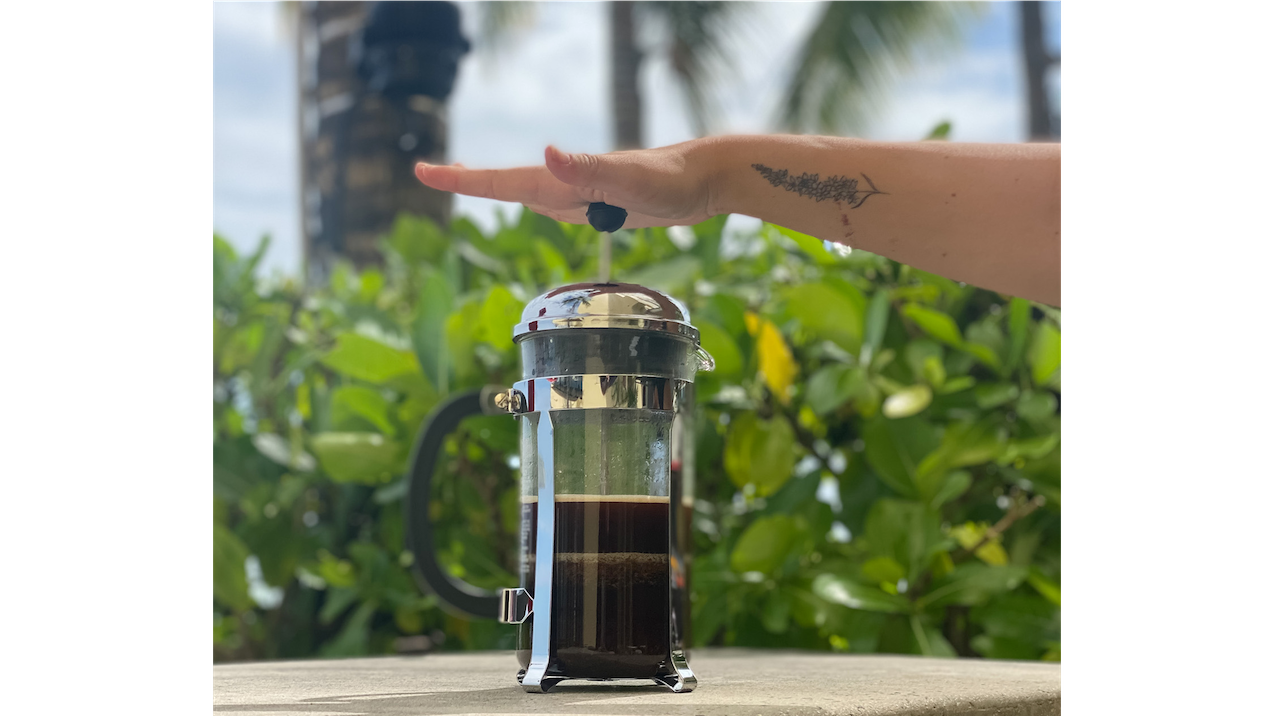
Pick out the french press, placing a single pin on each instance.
(605, 406)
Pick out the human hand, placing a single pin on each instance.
(668, 186)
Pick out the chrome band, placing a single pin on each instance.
(637, 323)
(583, 392)
(515, 605)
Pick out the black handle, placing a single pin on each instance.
(455, 593)
(605, 217)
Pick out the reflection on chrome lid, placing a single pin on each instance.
(606, 305)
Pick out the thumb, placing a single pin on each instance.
(601, 172)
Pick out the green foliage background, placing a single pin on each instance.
(878, 450)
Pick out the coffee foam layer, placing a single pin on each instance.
(639, 499)
(615, 559)
(612, 569)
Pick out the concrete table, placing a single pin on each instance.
(731, 681)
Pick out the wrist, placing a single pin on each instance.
(716, 158)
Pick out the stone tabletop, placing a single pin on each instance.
(742, 682)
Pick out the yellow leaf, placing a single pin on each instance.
(776, 363)
(970, 533)
(302, 400)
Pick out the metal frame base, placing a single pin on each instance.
(679, 679)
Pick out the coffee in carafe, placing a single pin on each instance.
(610, 585)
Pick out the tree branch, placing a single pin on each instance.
(1017, 511)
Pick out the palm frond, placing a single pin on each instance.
(499, 22)
(856, 51)
(699, 36)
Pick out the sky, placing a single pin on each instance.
(547, 84)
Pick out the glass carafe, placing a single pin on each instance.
(606, 487)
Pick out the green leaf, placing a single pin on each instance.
(673, 275)
(954, 385)
(225, 267)
(1050, 590)
(985, 332)
(905, 531)
(337, 601)
(1036, 447)
(844, 591)
(229, 571)
(500, 312)
(1021, 617)
(807, 609)
(428, 333)
(941, 131)
(1036, 406)
(983, 354)
(833, 385)
(360, 357)
(992, 395)
(1018, 330)
(956, 483)
(934, 323)
(933, 372)
(797, 494)
(962, 445)
(876, 325)
(370, 284)
(460, 341)
(728, 313)
(1029, 448)
(718, 343)
(764, 545)
(417, 239)
(908, 401)
(829, 312)
(412, 412)
(809, 244)
(760, 452)
(929, 640)
(362, 402)
(883, 569)
(918, 353)
(354, 635)
(710, 615)
(775, 615)
(1009, 649)
(894, 449)
(707, 239)
(1045, 353)
(972, 583)
(552, 260)
(943, 328)
(367, 458)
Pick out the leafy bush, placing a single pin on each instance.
(878, 450)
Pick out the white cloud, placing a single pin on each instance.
(260, 24)
(254, 153)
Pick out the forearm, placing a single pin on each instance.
(986, 214)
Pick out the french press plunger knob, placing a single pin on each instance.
(605, 217)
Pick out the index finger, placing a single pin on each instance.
(523, 185)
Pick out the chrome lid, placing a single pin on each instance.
(606, 305)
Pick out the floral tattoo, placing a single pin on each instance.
(836, 188)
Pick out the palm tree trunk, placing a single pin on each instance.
(625, 91)
(1036, 69)
(359, 144)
